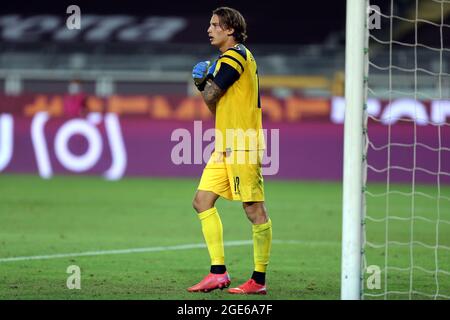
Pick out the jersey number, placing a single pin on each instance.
(236, 185)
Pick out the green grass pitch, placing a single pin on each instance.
(83, 214)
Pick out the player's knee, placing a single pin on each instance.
(258, 218)
(204, 200)
(196, 204)
(256, 213)
(200, 204)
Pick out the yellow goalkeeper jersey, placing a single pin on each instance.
(238, 111)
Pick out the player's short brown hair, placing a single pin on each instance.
(233, 19)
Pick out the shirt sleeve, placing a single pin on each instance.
(226, 76)
(230, 66)
(234, 59)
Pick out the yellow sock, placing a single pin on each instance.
(213, 233)
(262, 243)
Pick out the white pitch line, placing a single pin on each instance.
(158, 249)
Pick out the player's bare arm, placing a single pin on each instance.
(211, 95)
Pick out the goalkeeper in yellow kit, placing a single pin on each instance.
(229, 87)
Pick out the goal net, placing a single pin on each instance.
(406, 151)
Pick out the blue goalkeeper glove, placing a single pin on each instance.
(202, 72)
(211, 69)
(199, 74)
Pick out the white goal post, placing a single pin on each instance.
(353, 150)
(396, 170)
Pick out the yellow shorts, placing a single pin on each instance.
(234, 175)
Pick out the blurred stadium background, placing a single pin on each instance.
(80, 107)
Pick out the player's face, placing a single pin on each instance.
(217, 35)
